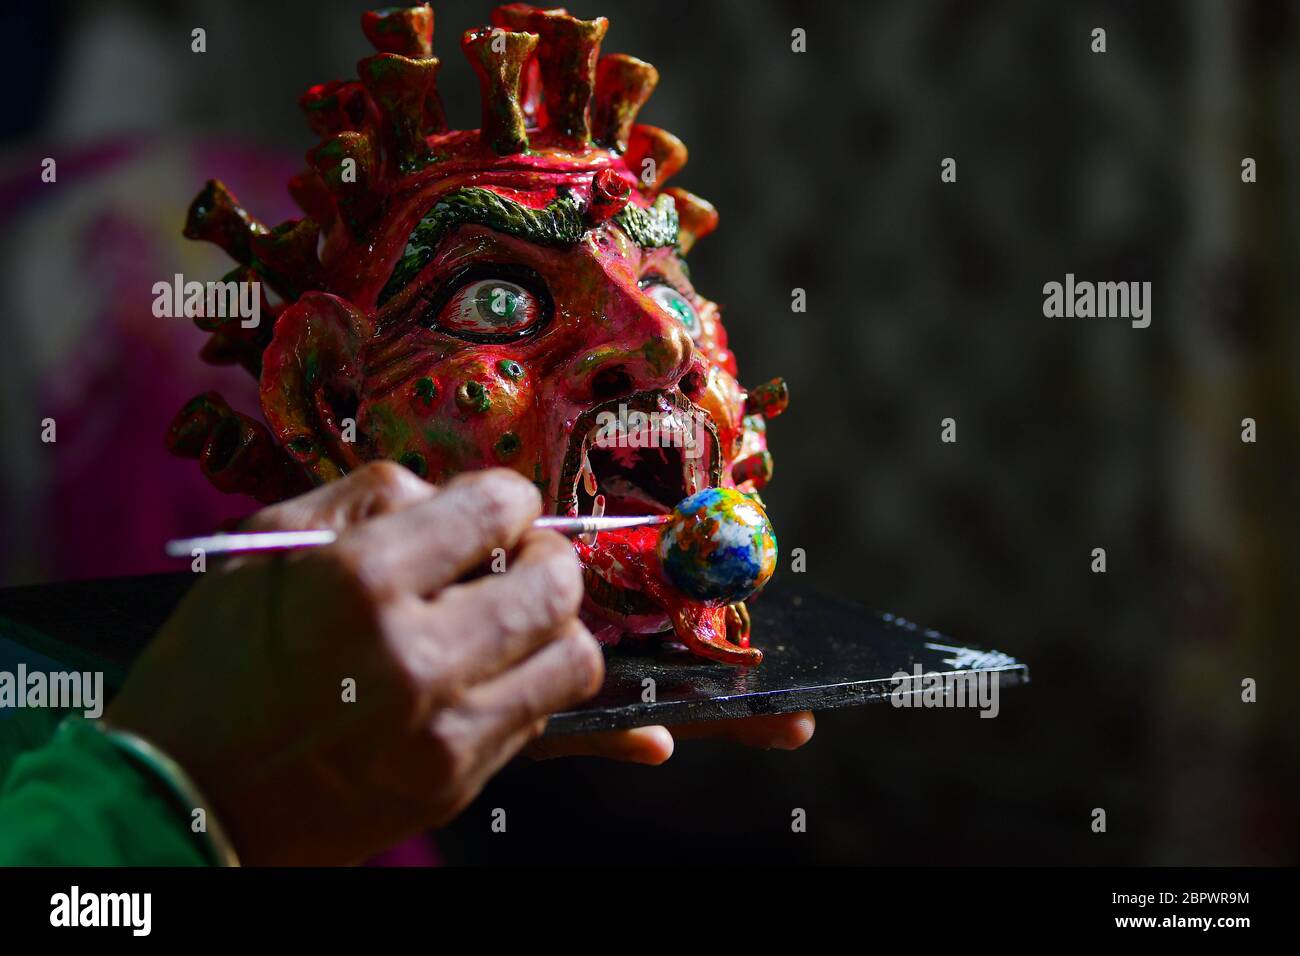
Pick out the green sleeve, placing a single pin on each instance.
(75, 799)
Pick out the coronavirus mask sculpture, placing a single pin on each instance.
(515, 295)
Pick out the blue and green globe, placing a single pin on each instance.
(719, 546)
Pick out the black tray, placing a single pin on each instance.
(821, 653)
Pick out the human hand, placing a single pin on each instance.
(654, 745)
(245, 685)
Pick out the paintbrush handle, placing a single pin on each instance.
(242, 542)
(248, 541)
(590, 525)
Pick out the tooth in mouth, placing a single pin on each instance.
(588, 476)
(597, 511)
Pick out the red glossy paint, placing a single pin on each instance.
(600, 322)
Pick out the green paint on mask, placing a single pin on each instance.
(426, 390)
(558, 224)
(449, 439)
(390, 429)
(656, 354)
(652, 228)
(473, 397)
(415, 462)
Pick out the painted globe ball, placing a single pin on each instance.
(718, 547)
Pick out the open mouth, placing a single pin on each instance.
(633, 456)
(636, 455)
(643, 454)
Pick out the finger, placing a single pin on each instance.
(497, 620)
(644, 745)
(430, 544)
(380, 487)
(561, 674)
(774, 731)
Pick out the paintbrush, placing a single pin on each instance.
(241, 542)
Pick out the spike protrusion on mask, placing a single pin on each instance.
(756, 469)
(337, 106)
(566, 57)
(216, 216)
(406, 93)
(406, 31)
(230, 342)
(546, 92)
(623, 84)
(286, 257)
(769, 399)
(655, 156)
(347, 165)
(309, 192)
(696, 217)
(498, 57)
(236, 453)
(515, 17)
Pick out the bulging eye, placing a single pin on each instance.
(492, 308)
(675, 304)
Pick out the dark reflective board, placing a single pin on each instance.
(821, 653)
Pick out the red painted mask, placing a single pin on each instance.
(459, 299)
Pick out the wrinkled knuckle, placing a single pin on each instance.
(382, 473)
(500, 499)
(508, 620)
(409, 682)
(587, 660)
(386, 487)
(507, 490)
(512, 483)
(503, 488)
(411, 654)
(560, 583)
(461, 611)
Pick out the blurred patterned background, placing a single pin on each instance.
(925, 302)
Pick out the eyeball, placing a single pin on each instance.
(491, 307)
(676, 305)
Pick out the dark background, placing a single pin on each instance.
(924, 302)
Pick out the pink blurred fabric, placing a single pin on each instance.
(82, 256)
(106, 494)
